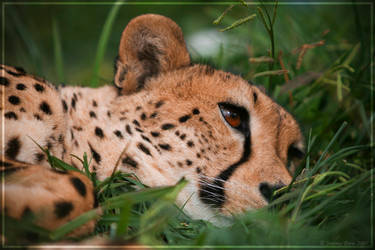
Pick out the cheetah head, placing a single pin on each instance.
(224, 135)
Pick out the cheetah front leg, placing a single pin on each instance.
(52, 196)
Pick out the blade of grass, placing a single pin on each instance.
(28, 40)
(220, 18)
(329, 199)
(307, 187)
(238, 22)
(75, 223)
(123, 223)
(139, 196)
(102, 45)
(57, 48)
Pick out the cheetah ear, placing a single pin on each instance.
(150, 45)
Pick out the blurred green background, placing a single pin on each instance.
(330, 93)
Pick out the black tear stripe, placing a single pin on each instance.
(213, 193)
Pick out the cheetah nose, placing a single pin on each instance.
(267, 190)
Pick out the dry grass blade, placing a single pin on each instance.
(303, 49)
(270, 73)
(239, 22)
(261, 59)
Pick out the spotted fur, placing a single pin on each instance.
(166, 116)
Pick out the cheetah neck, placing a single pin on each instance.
(113, 130)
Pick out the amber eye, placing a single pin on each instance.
(236, 117)
(231, 117)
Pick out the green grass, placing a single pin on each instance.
(328, 90)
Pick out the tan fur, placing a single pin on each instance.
(34, 190)
(159, 89)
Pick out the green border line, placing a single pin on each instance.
(182, 3)
(3, 4)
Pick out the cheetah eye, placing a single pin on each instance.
(295, 153)
(236, 117)
(295, 156)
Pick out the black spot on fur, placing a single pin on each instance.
(198, 155)
(165, 147)
(20, 72)
(63, 209)
(153, 115)
(155, 134)
(13, 148)
(11, 115)
(92, 114)
(15, 100)
(138, 108)
(73, 103)
(159, 104)
(37, 116)
(189, 162)
(143, 116)
(144, 149)
(26, 213)
(184, 118)
(99, 132)
(183, 136)
(177, 133)
(190, 144)
(130, 161)
(118, 134)
(96, 201)
(78, 128)
(65, 106)
(136, 123)
(45, 108)
(145, 138)
(4, 81)
(109, 114)
(196, 111)
(38, 87)
(180, 164)
(94, 103)
(139, 130)
(255, 96)
(39, 157)
(167, 126)
(21, 86)
(198, 170)
(128, 129)
(22, 110)
(61, 138)
(95, 154)
(78, 185)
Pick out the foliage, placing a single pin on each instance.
(316, 64)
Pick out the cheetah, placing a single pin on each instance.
(164, 119)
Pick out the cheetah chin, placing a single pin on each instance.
(173, 118)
